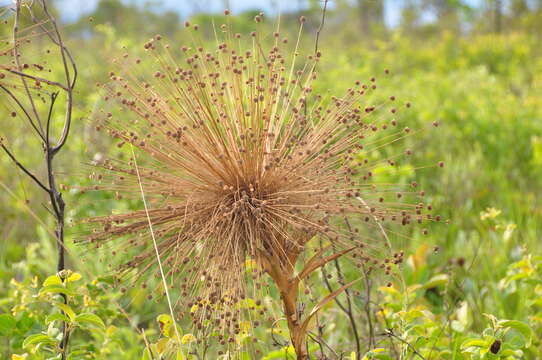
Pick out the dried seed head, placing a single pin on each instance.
(241, 172)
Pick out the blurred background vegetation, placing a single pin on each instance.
(473, 66)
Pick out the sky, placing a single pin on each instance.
(73, 9)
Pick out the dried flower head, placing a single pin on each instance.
(241, 164)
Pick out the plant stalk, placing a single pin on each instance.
(283, 276)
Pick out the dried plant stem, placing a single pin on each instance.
(159, 261)
(284, 279)
(282, 273)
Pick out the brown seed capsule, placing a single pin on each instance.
(495, 347)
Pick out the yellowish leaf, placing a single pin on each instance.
(188, 338)
(73, 277)
(161, 345)
(52, 280)
(19, 357)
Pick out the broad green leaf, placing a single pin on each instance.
(52, 280)
(88, 318)
(38, 339)
(473, 342)
(437, 280)
(146, 354)
(56, 317)
(7, 324)
(286, 353)
(66, 308)
(521, 327)
(57, 289)
(25, 323)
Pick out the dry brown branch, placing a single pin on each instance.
(15, 83)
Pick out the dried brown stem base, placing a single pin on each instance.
(281, 270)
(288, 286)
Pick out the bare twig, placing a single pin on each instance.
(34, 118)
(390, 333)
(318, 339)
(21, 106)
(18, 63)
(37, 78)
(24, 169)
(321, 27)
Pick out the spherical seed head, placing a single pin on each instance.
(234, 178)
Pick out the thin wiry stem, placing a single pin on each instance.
(37, 78)
(158, 260)
(321, 27)
(24, 169)
(21, 106)
(18, 64)
(391, 334)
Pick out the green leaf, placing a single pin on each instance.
(66, 308)
(7, 324)
(52, 280)
(437, 280)
(57, 289)
(25, 323)
(520, 327)
(146, 354)
(38, 339)
(88, 318)
(284, 353)
(56, 317)
(473, 342)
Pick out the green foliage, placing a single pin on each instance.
(38, 314)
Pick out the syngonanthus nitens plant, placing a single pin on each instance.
(241, 161)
